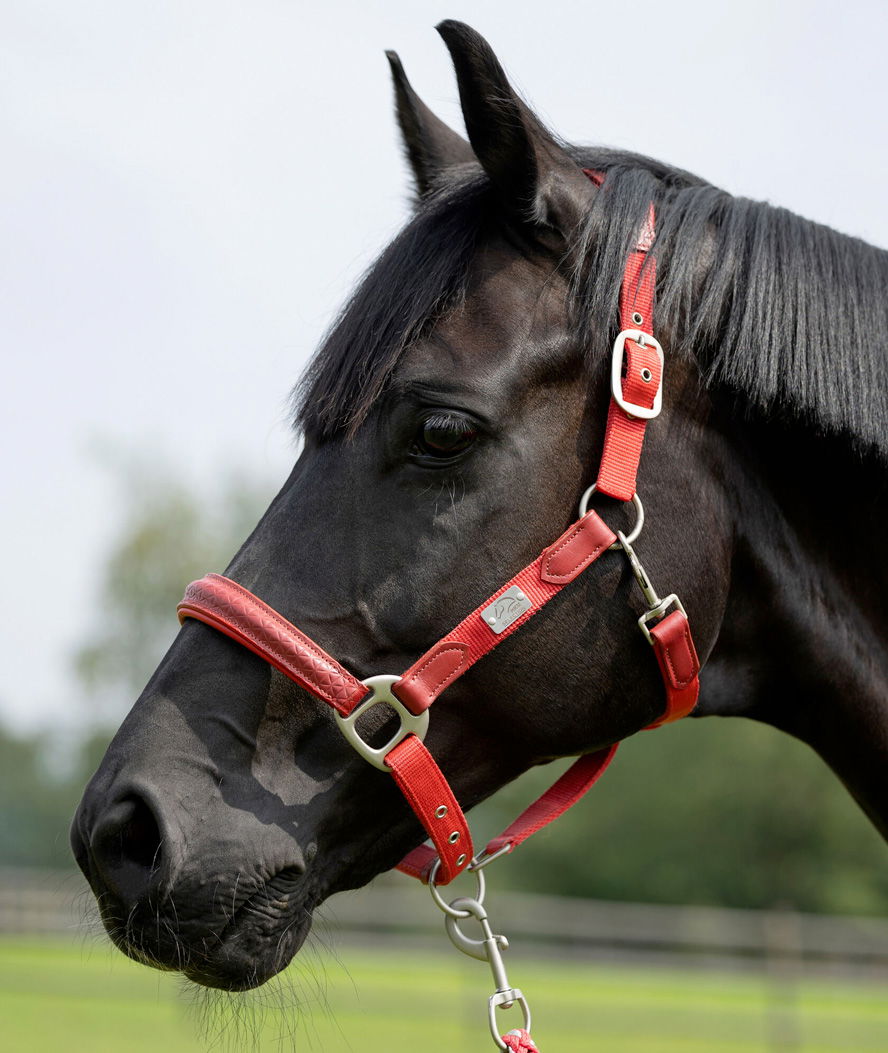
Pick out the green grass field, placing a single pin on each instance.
(86, 999)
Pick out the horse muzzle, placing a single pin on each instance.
(222, 915)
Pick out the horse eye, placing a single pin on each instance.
(444, 435)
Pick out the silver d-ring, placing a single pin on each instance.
(639, 514)
(480, 890)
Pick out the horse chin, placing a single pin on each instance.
(234, 953)
(249, 955)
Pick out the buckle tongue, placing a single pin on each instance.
(381, 692)
(631, 408)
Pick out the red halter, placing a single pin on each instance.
(636, 395)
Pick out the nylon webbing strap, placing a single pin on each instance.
(579, 778)
(429, 795)
(642, 373)
(515, 603)
(642, 377)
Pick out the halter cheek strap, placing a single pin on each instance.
(636, 367)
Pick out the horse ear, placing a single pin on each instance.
(537, 180)
(430, 146)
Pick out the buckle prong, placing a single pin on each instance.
(643, 339)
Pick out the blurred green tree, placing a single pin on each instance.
(719, 812)
(169, 535)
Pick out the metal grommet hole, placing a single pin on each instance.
(441, 811)
(646, 375)
(460, 859)
(454, 837)
(637, 318)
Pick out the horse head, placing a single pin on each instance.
(452, 420)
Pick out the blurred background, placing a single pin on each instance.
(188, 193)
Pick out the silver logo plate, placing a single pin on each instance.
(505, 609)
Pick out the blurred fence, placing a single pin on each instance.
(397, 912)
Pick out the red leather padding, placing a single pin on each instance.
(575, 550)
(236, 612)
(430, 674)
(679, 666)
(427, 791)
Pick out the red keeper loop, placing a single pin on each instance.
(679, 666)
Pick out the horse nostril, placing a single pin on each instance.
(126, 847)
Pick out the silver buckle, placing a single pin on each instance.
(646, 340)
(381, 692)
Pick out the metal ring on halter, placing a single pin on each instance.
(639, 514)
(381, 693)
(442, 904)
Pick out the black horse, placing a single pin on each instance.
(452, 418)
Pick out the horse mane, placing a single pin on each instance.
(784, 312)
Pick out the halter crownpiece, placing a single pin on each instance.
(636, 397)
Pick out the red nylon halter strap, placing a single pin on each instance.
(537, 583)
(637, 368)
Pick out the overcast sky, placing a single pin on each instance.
(190, 189)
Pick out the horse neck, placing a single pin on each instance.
(803, 642)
